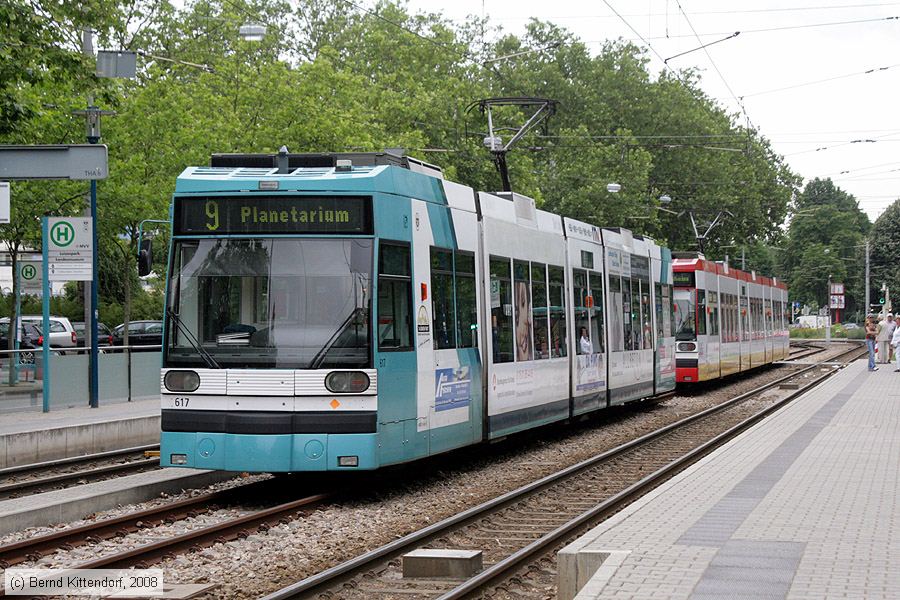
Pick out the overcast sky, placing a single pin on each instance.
(815, 127)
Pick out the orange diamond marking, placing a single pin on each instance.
(334, 403)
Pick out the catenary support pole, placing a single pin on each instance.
(868, 298)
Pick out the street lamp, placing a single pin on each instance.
(613, 188)
(252, 32)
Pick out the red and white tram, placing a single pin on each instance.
(727, 320)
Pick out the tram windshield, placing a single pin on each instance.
(684, 315)
(270, 303)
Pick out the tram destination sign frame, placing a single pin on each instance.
(273, 214)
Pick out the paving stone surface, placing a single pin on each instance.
(804, 505)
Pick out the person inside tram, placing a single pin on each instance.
(584, 343)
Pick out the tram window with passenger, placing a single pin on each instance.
(582, 319)
(501, 310)
(557, 310)
(394, 292)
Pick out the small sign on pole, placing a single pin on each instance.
(30, 276)
(4, 202)
(70, 249)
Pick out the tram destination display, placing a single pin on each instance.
(273, 214)
(683, 278)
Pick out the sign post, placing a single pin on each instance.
(69, 255)
(45, 324)
(836, 300)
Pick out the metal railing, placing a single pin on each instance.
(126, 373)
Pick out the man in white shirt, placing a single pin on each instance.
(895, 344)
(883, 338)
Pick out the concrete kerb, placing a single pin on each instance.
(72, 504)
(27, 447)
(583, 573)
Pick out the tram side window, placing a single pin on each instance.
(557, 310)
(745, 319)
(443, 315)
(645, 341)
(522, 312)
(713, 313)
(539, 311)
(501, 310)
(627, 311)
(701, 312)
(658, 310)
(616, 324)
(732, 318)
(394, 293)
(466, 312)
(596, 284)
(670, 309)
(583, 344)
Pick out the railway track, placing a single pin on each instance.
(34, 548)
(522, 529)
(28, 479)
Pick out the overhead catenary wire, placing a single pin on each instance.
(871, 71)
(739, 103)
(717, 12)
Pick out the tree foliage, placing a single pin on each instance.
(330, 77)
(826, 238)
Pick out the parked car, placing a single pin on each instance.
(29, 340)
(104, 335)
(140, 333)
(62, 334)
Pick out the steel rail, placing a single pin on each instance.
(33, 549)
(30, 484)
(321, 581)
(59, 462)
(607, 508)
(220, 532)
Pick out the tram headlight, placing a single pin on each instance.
(182, 381)
(686, 347)
(347, 382)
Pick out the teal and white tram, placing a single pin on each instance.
(341, 312)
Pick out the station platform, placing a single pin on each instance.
(81, 501)
(803, 505)
(63, 432)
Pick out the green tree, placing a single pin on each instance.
(884, 256)
(825, 237)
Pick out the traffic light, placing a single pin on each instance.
(881, 301)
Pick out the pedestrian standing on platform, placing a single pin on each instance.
(892, 327)
(871, 332)
(895, 345)
(883, 334)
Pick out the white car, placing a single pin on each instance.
(62, 334)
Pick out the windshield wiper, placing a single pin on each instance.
(319, 358)
(209, 360)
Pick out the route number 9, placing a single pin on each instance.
(212, 212)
